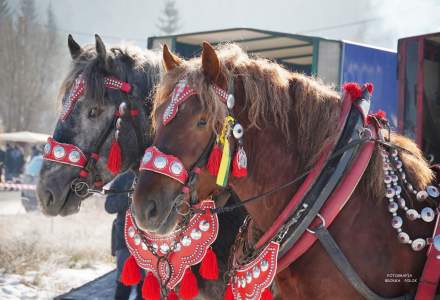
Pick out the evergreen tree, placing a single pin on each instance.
(169, 21)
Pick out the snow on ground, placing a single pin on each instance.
(41, 257)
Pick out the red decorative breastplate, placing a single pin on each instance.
(182, 248)
(250, 280)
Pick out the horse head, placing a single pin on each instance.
(90, 143)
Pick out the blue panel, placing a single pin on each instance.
(362, 64)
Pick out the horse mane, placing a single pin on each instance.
(298, 105)
(122, 60)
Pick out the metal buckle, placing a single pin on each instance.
(320, 225)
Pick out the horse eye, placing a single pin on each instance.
(93, 113)
(201, 123)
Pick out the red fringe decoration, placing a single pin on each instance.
(370, 87)
(214, 160)
(353, 89)
(267, 295)
(380, 115)
(228, 293)
(131, 273)
(114, 158)
(188, 287)
(209, 266)
(151, 288)
(172, 296)
(236, 170)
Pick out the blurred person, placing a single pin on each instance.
(9, 162)
(2, 162)
(18, 156)
(35, 151)
(118, 204)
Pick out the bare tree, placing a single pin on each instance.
(31, 61)
(169, 21)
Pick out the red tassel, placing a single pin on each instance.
(151, 288)
(353, 89)
(214, 160)
(370, 87)
(172, 296)
(188, 287)
(131, 273)
(239, 170)
(228, 293)
(114, 158)
(209, 266)
(267, 295)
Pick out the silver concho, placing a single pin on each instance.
(264, 265)
(418, 244)
(131, 231)
(204, 225)
(160, 162)
(237, 131)
(403, 237)
(186, 241)
(155, 246)
(176, 168)
(412, 214)
(164, 248)
(47, 148)
(427, 214)
(422, 195)
(74, 156)
(256, 272)
(396, 222)
(196, 234)
(144, 246)
(390, 193)
(59, 152)
(137, 239)
(147, 157)
(432, 191)
(230, 102)
(392, 207)
(248, 277)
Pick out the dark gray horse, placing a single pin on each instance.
(89, 124)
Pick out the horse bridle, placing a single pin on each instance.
(72, 155)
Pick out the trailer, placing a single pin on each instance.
(334, 61)
(419, 91)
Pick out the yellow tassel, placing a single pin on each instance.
(225, 165)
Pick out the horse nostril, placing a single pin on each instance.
(150, 210)
(49, 198)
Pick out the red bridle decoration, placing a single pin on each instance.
(156, 161)
(64, 153)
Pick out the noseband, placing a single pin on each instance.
(72, 155)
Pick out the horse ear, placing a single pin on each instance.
(170, 61)
(100, 49)
(210, 63)
(74, 48)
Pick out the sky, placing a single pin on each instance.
(375, 22)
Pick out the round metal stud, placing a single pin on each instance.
(256, 272)
(248, 277)
(264, 265)
(59, 152)
(186, 241)
(387, 179)
(436, 242)
(390, 193)
(401, 202)
(131, 231)
(74, 156)
(243, 282)
(230, 102)
(164, 248)
(147, 157)
(176, 168)
(155, 246)
(392, 207)
(394, 177)
(160, 162)
(237, 131)
(412, 214)
(196, 234)
(422, 196)
(47, 148)
(396, 222)
(177, 247)
(399, 164)
(144, 246)
(427, 214)
(403, 237)
(432, 191)
(398, 189)
(137, 239)
(204, 225)
(418, 244)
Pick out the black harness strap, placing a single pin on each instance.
(344, 266)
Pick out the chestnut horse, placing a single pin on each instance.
(287, 118)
